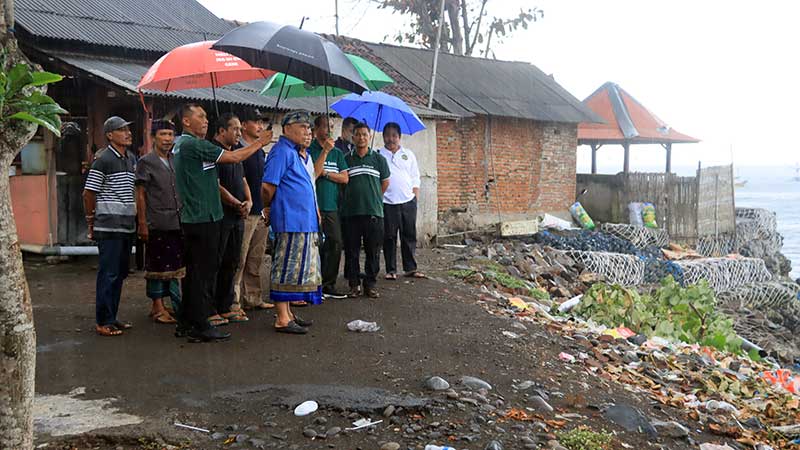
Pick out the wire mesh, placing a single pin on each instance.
(639, 236)
(724, 274)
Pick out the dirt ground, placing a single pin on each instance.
(245, 387)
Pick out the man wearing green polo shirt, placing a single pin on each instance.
(197, 181)
(362, 209)
(330, 169)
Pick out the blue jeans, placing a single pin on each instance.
(165, 288)
(112, 269)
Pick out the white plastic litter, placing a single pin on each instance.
(361, 326)
(306, 408)
(363, 423)
(569, 304)
(554, 222)
(203, 430)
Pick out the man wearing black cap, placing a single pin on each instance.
(108, 200)
(247, 282)
(159, 209)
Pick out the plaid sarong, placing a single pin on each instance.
(296, 269)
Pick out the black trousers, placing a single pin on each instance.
(331, 250)
(400, 218)
(369, 230)
(230, 249)
(201, 256)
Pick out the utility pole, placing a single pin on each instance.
(436, 54)
(336, 15)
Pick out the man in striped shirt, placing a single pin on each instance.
(108, 199)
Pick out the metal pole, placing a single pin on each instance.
(336, 15)
(594, 159)
(436, 54)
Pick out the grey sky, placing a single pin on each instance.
(723, 71)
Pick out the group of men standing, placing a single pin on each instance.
(204, 208)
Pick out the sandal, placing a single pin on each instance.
(303, 323)
(217, 321)
(292, 328)
(264, 305)
(390, 276)
(235, 316)
(299, 304)
(163, 317)
(416, 274)
(122, 325)
(107, 330)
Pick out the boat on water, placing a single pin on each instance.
(739, 182)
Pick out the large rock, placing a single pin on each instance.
(437, 384)
(630, 419)
(475, 383)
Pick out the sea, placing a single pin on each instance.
(776, 189)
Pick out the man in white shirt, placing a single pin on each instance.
(400, 205)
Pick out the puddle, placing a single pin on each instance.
(65, 415)
(361, 399)
(60, 345)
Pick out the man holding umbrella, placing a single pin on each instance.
(201, 217)
(291, 208)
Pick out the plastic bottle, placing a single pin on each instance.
(436, 447)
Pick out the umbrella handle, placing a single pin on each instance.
(377, 121)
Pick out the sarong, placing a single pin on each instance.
(164, 255)
(296, 269)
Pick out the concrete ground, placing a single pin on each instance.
(145, 381)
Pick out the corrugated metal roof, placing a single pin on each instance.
(150, 25)
(627, 120)
(468, 86)
(126, 74)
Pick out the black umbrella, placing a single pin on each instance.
(299, 53)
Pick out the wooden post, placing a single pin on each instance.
(627, 166)
(668, 146)
(594, 159)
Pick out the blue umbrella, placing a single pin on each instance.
(377, 109)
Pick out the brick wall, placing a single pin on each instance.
(528, 168)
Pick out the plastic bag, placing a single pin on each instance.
(581, 216)
(362, 326)
(649, 215)
(635, 214)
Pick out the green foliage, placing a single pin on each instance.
(585, 439)
(19, 101)
(460, 273)
(672, 312)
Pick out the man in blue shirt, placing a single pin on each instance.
(291, 207)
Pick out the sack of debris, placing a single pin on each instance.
(635, 214)
(649, 215)
(581, 216)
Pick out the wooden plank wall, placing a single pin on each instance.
(715, 205)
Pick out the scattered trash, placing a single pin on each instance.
(635, 214)
(566, 357)
(620, 333)
(716, 407)
(306, 408)
(518, 303)
(708, 446)
(581, 216)
(553, 222)
(438, 447)
(363, 423)
(203, 430)
(363, 327)
(493, 445)
(510, 335)
(569, 304)
(783, 378)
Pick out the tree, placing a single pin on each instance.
(23, 107)
(467, 28)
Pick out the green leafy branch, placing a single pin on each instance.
(20, 100)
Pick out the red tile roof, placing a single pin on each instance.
(626, 120)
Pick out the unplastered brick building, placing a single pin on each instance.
(510, 152)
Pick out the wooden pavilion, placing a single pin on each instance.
(627, 122)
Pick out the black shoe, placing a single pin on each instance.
(333, 293)
(182, 331)
(208, 335)
(372, 292)
(303, 323)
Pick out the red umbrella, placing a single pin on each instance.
(196, 66)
